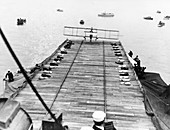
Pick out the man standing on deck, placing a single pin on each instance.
(98, 119)
(91, 34)
(10, 76)
(137, 60)
(130, 53)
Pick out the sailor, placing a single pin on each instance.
(130, 53)
(98, 119)
(10, 76)
(136, 68)
(91, 30)
(36, 67)
(91, 34)
(137, 60)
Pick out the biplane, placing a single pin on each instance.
(91, 33)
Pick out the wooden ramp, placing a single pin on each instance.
(90, 77)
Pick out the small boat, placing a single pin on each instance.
(59, 10)
(21, 21)
(167, 17)
(160, 24)
(81, 22)
(158, 12)
(148, 18)
(104, 14)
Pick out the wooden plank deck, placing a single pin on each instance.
(82, 90)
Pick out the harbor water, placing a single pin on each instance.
(43, 31)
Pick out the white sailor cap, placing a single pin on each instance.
(86, 128)
(99, 116)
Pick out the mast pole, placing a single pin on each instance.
(26, 76)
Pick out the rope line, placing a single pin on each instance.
(66, 76)
(104, 79)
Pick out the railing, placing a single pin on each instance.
(86, 32)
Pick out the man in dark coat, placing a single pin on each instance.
(137, 60)
(130, 53)
(10, 76)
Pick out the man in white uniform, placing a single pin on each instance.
(98, 119)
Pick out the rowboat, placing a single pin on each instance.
(81, 76)
(148, 18)
(158, 12)
(21, 21)
(167, 17)
(59, 10)
(104, 14)
(160, 24)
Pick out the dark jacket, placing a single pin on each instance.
(96, 128)
(107, 126)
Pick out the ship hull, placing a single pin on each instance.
(155, 101)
